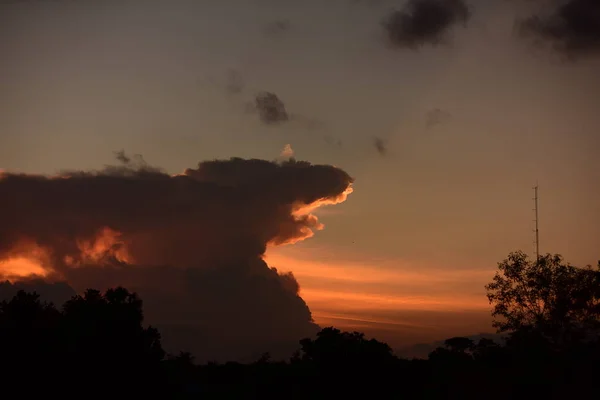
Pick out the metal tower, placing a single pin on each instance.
(537, 231)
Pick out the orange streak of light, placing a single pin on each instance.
(306, 209)
(343, 300)
(368, 271)
(302, 212)
(351, 320)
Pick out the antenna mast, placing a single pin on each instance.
(537, 232)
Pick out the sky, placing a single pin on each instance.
(441, 137)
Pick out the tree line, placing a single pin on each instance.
(96, 345)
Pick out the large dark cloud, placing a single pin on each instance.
(423, 22)
(571, 27)
(191, 245)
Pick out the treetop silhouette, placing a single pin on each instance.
(552, 297)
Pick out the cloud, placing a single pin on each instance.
(270, 108)
(380, 146)
(122, 157)
(572, 28)
(191, 245)
(423, 22)
(287, 151)
(272, 111)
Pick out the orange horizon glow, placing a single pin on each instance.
(364, 271)
(356, 294)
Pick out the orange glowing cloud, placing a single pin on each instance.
(21, 267)
(301, 209)
(107, 243)
(308, 222)
(24, 260)
(27, 258)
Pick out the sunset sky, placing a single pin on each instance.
(465, 128)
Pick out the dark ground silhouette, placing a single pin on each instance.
(96, 345)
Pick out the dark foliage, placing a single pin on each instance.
(95, 344)
(549, 296)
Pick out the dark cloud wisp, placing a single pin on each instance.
(424, 22)
(572, 28)
(270, 108)
(380, 146)
(191, 245)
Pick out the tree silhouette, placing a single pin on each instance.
(106, 340)
(548, 296)
(334, 347)
(345, 361)
(456, 349)
(488, 351)
(29, 339)
(97, 341)
(459, 344)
